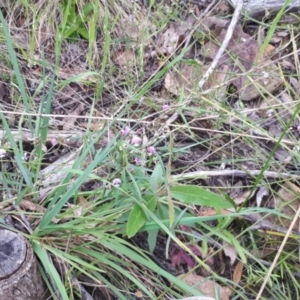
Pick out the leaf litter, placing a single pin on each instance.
(234, 123)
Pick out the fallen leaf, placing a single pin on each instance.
(124, 58)
(186, 77)
(76, 74)
(136, 27)
(261, 80)
(205, 286)
(69, 122)
(262, 192)
(286, 201)
(253, 75)
(238, 195)
(168, 42)
(296, 85)
(238, 272)
(231, 252)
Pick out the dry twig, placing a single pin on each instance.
(236, 15)
(278, 255)
(248, 173)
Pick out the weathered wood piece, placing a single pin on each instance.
(259, 8)
(20, 278)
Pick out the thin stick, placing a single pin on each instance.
(278, 254)
(236, 15)
(248, 173)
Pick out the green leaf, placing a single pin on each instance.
(151, 202)
(191, 194)
(156, 179)
(237, 246)
(136, 220)
(152, 237)
(137, 217)
(51, 270)
(83, 32)
(87, 9)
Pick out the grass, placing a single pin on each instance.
(118, 184)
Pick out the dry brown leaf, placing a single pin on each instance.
(171, 39)
(265, 251)
(296, 85)
(213, 25)
(207, 287)
(31, 206)
(265, 76)
(262, 192)
(92, 126)
(222, 8)
(184, 80)
(288, 65)
(124, 58)
(231, 252)
(67, 73)
(22, 39)
(187, 77)
(238, 272)
(69, 122)
(269, 51)
(136, 27)
(222, 266)
(168, 42)
(286, 201)
(44, 34)
(212, 212)
(238, 195)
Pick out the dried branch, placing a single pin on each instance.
(248, 173)
(236, 15)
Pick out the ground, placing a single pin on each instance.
(147, 158)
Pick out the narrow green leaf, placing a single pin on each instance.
(87, 9)
(43, 256)
(196, 195)
(152, 237)
(83, 32)
(237, 246)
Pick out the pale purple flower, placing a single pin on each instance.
(136, 141)
(54, 142)
(117, 182)
(138, 161)
(130, 168)
(165, 107)
(125, 130)
(151, 150)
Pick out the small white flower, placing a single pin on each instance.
(2, 153)
(270, 113)
(265, 74)
(117, 182)
(25, 156)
